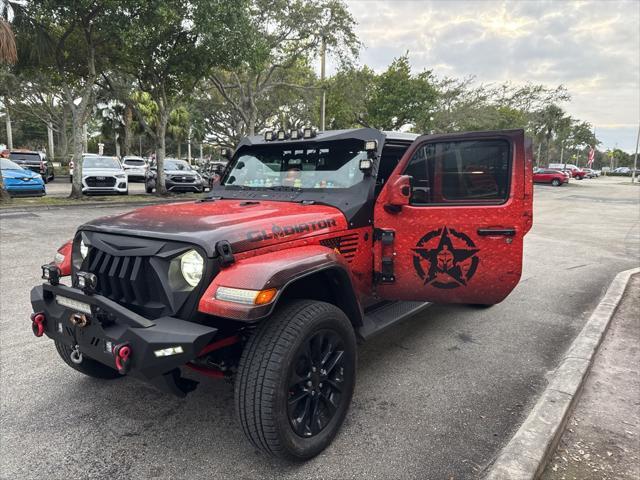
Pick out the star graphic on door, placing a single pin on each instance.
(450, 257)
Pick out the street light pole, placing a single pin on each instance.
(323, 54)
(635, 158)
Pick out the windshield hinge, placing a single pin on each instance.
(225, 254)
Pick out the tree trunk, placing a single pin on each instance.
(78, 130)
(8, 123)
(117, 145)
(4, 195)
(161, 131)
(128, 134)
(64, 138)
(179, 149)
(51, 153)
(85, 138)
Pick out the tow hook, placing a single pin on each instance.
(79, 319)
(122, 354)
(37, 323)
(76, 355)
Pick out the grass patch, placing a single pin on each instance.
(93, 200)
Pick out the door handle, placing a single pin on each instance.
(490, 232)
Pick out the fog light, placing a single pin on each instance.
(51, 273)
(167, 352)
(87, 282)
(294, 134)
(371, 145)
(308, 133)
(246, 297)
(282, 135)
(268, 135)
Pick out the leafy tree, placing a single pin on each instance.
(178, 126)
(281, 34)
(348, 93)
(399, 98)
(283, 105)
(75, 40)
(171, 47)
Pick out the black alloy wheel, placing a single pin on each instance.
(316, 381)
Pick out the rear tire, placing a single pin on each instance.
(296, 379)
(555, 182)
(89, 367)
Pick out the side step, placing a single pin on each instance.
(380, 318)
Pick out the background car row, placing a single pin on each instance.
(557, 174)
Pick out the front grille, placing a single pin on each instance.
(181, 179)
(100, 182)
(127, 280)
(142, 274)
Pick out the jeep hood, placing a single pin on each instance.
(246, 225)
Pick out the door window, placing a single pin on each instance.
(460, 173)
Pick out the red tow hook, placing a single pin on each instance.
(122, 354)
(37, 323)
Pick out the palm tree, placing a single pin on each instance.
(8, 55)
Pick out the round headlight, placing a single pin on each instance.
(84, 250)
(192, 266)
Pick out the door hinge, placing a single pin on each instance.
(386, 239)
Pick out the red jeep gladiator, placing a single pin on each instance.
(312, 243)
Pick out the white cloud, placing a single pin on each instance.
(592, 47)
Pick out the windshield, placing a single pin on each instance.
(6, 164)
(101, 162)
(24, 157)
(173, 164)
(327, 165)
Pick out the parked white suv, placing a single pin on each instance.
(135, 168)
(101, 174)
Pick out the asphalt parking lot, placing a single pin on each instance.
(437, 397)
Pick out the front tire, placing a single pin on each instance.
(296, 379)
(148, 189)
(88, 366)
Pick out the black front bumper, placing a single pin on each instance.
(110, 325)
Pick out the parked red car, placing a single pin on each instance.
(554, 177)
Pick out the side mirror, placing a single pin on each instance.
(399, 192)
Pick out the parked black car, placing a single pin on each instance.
(179, 177)
(34, 161)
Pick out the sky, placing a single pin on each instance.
(591, 47)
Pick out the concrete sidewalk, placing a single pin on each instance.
(602, 436)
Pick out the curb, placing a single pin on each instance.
(527, 453)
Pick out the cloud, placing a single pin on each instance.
(593, 48)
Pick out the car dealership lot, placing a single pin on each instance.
(437, 396)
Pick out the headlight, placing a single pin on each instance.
(192, 266)
(84, 250)
(120, 175)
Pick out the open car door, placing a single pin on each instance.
(451, 219)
